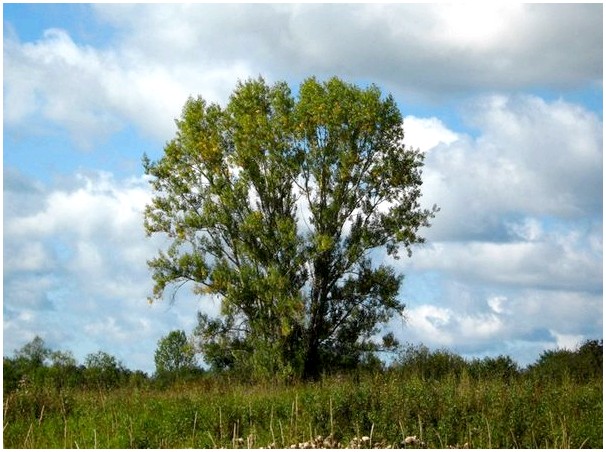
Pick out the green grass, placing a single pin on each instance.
(213, 413)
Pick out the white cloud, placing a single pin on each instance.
(552, 263)
(427, 133)
(92, 92)
(523, 323)
(76, 271)
(28, 256)
(475, 26)
(442, 327)
(497, 304)
(110, 326)
(567, 341)
(529, 229)
(97, 205)
(480, 326)
(430, 321)
(61, 81)
(161, 54)
(28, 290)
(517, 246)
(531, 158)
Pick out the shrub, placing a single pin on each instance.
(582, 365)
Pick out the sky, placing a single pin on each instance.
(504, 100)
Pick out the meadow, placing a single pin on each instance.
(397, 408)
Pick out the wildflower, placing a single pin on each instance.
(410, 440)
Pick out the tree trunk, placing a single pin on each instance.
(311, 367)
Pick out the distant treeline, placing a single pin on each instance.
(37, 366)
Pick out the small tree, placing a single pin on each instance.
(103, 369)
(29, 364)
(502, 367)
(63, 370)
(419, 360)
(584, 364)
(175, 354)
(34, 353)
(275, 205)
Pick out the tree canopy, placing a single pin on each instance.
(174, 354)
(274, 205)
(35, 352)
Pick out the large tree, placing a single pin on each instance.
(274, 204)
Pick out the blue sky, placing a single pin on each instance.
(505, 101)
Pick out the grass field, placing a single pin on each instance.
(378, 410)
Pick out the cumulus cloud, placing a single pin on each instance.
(21, 195)
(557, 262)
(421, 47)
(427, 133)
(75, 254)
(167, 52)
(532, 158)
(75, 269)
(93, 92)
(567, 341)
(514, 256)
(524, 323)
(517, 246)
(59, 80)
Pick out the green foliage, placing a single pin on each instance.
(103, 370)
(273, 204)
(36, 365)
(502, 367)
(387, 407)
(420, 361)
(584, 364)
(175, 355)
(34, 353)
(40, 371)
(437, 396)
(63, 371)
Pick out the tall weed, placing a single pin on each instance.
(386, 407)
